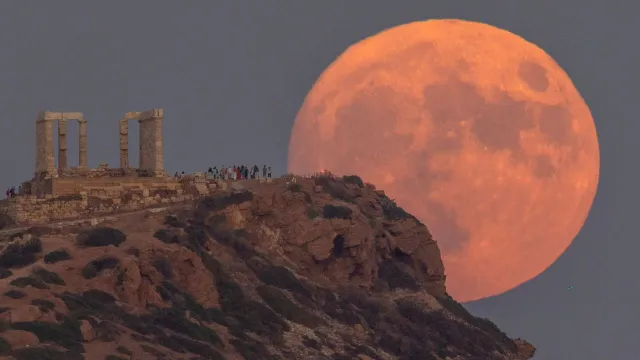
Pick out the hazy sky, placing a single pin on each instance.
(231, 76)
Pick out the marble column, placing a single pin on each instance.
(124, 144)
(82, 146)
(158, 159)
(45, 159)
(151, 157)
(41, 147)
(62, 144)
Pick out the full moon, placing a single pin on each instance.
(477, 132)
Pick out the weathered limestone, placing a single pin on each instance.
(151, 157)
(45, 159)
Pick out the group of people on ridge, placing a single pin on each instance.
(11, 192)
(236, 172)
(239, 172)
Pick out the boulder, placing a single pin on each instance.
(87, 331)
(26, 313)
(19, 339)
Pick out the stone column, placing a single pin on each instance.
(62, 144)
(45, 159)
(144, 152)
(124, 144)
(82, 147)
(41, 147)
(151, 158)
(158, 159)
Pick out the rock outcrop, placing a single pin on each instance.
(319, 268)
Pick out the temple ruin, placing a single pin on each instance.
(63, 193)
(45, 157)
(50, 179)
(151, 159)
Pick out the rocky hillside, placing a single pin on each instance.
(319, 269)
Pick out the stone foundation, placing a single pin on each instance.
(105, 196)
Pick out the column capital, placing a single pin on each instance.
(151, 114)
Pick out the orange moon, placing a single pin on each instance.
(474, 130)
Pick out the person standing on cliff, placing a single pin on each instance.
(264, 171)
(269, 173)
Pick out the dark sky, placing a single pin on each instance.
(231, 76)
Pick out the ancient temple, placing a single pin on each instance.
(60, 179)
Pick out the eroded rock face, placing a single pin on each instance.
(323, 268)
(138, 277)
(346, 249)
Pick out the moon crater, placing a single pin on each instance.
(534, 75)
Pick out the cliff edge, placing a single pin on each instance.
(320, 268)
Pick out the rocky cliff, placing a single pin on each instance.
(322, 268)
